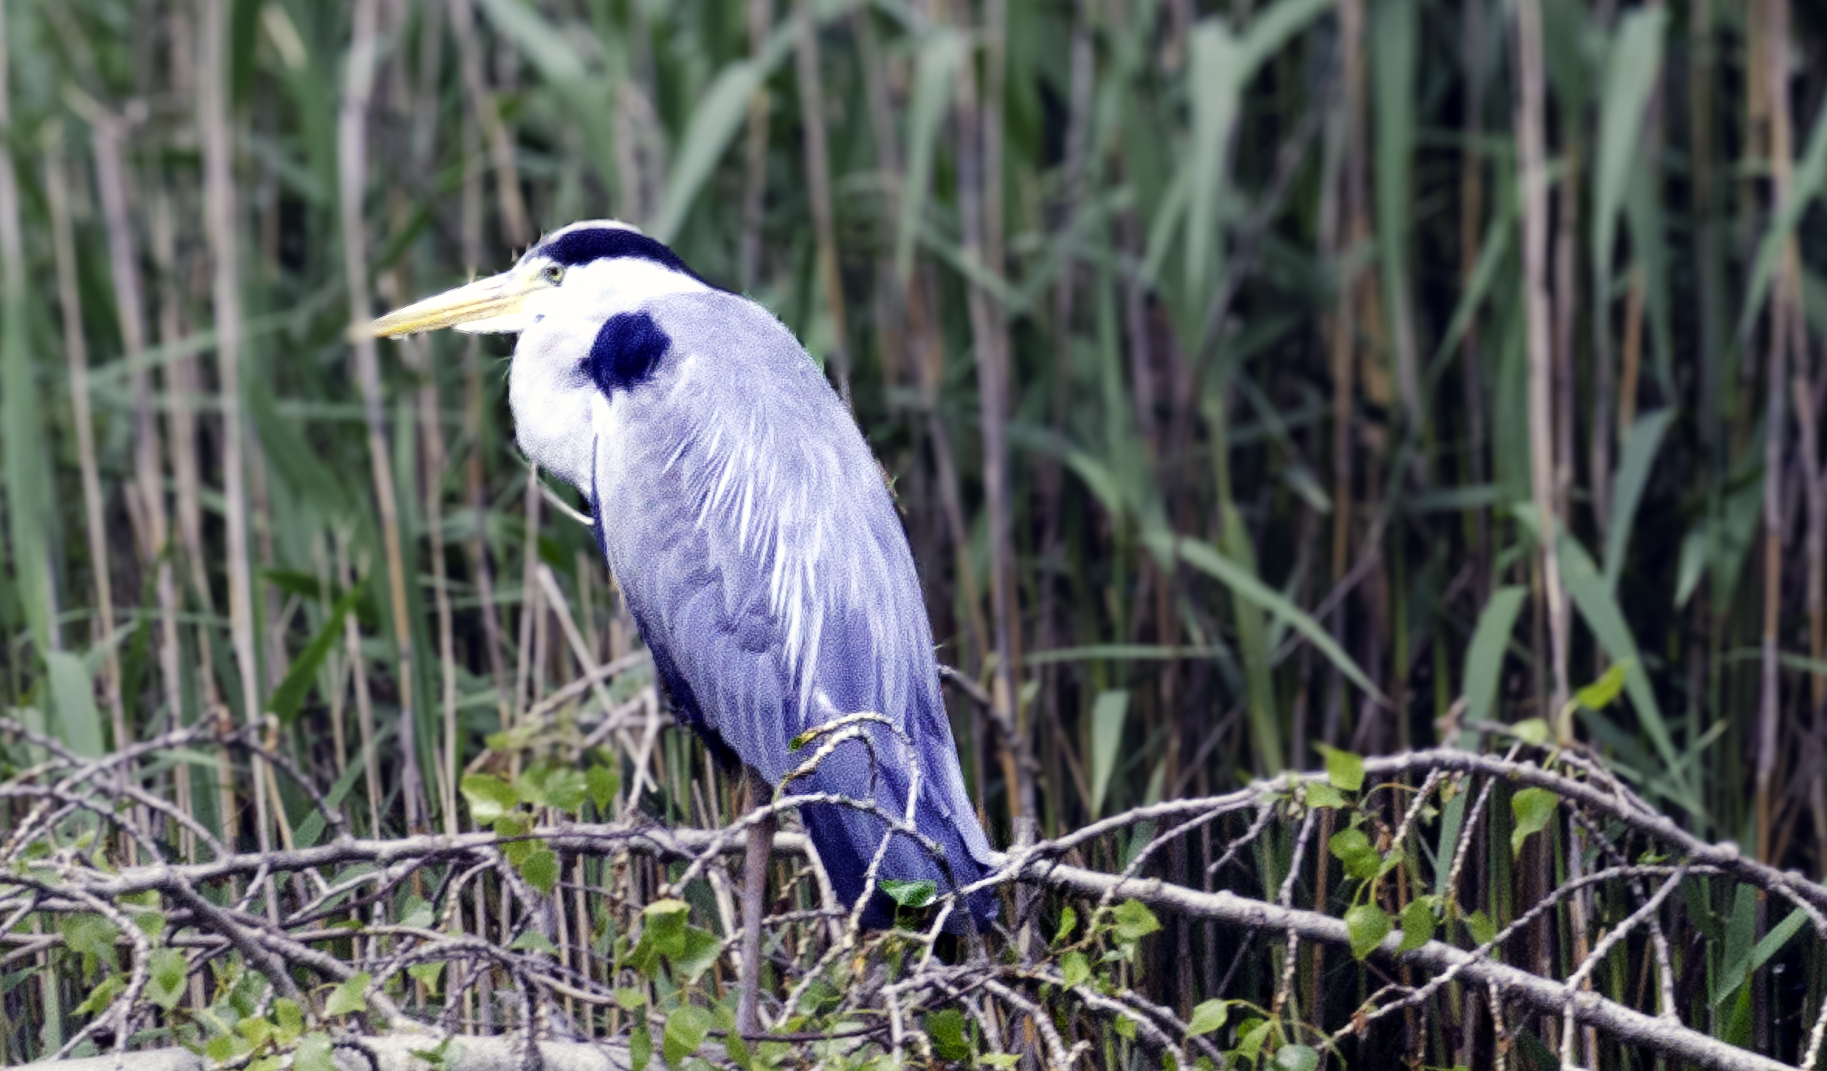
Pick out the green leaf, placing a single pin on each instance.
(427, 974)
(1322, 794)
(1109, 711)
(1600, 693)
(1484, 658)
(90, 934)
(909, 893)
(489, 797)
(513, 830)
(1417, 925)
(697, 952)
(257, 1031)
(1134, 921)
(1296, 1058)
(1533, 808)
(1207, 1017)
(313, 1053)
(560, 787)
(225, 1047)
(605, 785)
(1125, 1027)
(1480, 926)
(640, 1047)
(351, 996)
(1068, 921)
(1353, 848)
(686, 1029)
(1534, 731)
(1367, 925)
(289, 1017)
(288, 699)
(102, 995)
(1074, 968)
(1251, 1036)
(541, 869)
(630, 999)
(166, 971)
(1343, 769)
(946, 1029)
(534, 941)
(417, 913)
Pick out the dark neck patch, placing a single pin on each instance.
(589, 244)
(628, 348)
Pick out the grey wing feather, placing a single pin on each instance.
(767, 568)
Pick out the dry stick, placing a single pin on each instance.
(1785, 302)
(473, 475)
(1532, 164)
(351, 144)
(593, 674)
(1626, 1024)
(220, 216)
(988, 346)
(1814, 492)
(364, 704)
(76, 356)
(818, 175)
(149, 482)
(431, 423)
(759, 847)
(1597, 956)
(532, 606)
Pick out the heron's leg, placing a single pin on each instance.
(754, 900)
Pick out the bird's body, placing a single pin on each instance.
(755, 542)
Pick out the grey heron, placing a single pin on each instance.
(757, 546)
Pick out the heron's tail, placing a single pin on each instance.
(951, 851)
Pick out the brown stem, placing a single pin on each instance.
(818, 176)
(1532, 164)
(352, 132)
(219, 219)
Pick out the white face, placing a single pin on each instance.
(557, 299)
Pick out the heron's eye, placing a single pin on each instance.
(554, 273)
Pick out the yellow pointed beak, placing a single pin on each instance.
(495, 304)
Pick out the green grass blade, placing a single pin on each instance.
(1244, 583)
(1484, 658)
(1810, 178)
(1108, 713)
(1640, 445)
(935, 72)
(1630, 75)
(79, 723)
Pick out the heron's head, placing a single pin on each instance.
(578, 300)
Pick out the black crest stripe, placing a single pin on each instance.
(588, 244)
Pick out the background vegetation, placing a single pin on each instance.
(1230, 361)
